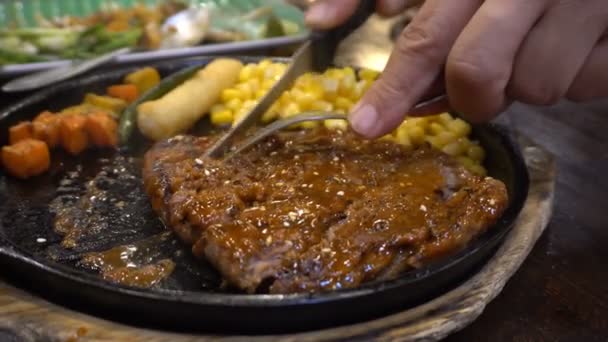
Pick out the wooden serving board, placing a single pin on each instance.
(28, 318)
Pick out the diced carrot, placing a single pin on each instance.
(26, 158)
(72, 133)
(102, 129)
(20, 131)
(127, 92)
(46, 128)
(146, 78)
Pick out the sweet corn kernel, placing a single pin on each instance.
(234, 104)
(285, 98)
(465, 161)
(416, 135)
(270, 73)
(259, 94)
(217, 108)
(264, 64)
(459, 127)
(247, 72)
(387, 137)
(347, 85)
(330, 88)
(455, 148)
(245, 90)
(350, 72)
(336, 124)
(444, 118)
(254, 84)
(248, 105)
(323, 106)
(291, 110)
(271, 114)
(309, 124)
(445, 138)
(222, 117)
(475, 152)
(436, 128)
(315, 88)
(334, 73)
(303, 80)
(281, 68)
(403, 138)
(238, 116)
(268, 83)
(360, 88)
(343, 103)
(368, 74)
(306, 100)
(229, 94)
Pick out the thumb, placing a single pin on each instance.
(327, 14)
(417, 59)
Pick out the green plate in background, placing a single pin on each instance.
(22, 13)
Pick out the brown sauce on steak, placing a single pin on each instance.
(318, 210)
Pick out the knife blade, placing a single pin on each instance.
(47, 77)
(316, 54)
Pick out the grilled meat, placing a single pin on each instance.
(318, 210)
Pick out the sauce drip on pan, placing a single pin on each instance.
(132, 264)
(100, 218)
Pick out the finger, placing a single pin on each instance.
(433, 106)
(591, 83)
(326, 14)
(389, 8)
(415, 62)
(434, 101)
(554, 52)
(480, 64)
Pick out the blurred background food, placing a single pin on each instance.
(43, 30)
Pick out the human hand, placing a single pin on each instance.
(486, 53)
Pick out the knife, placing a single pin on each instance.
(47, 77)
(316, 54)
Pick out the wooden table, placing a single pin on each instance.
(561, 291)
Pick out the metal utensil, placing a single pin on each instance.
(185, 28)
(302, 117)
(47, 77)
(316, 54)
(282, 124)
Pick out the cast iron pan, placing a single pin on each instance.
(192, 298)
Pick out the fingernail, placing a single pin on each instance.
(317, 14)
(363, 119)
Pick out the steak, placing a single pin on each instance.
(318, 210)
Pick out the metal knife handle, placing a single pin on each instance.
(325, 43)
(47, 77)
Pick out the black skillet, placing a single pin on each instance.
(193, 298)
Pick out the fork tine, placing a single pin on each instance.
(281, 124)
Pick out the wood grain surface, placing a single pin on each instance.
(561, 291)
